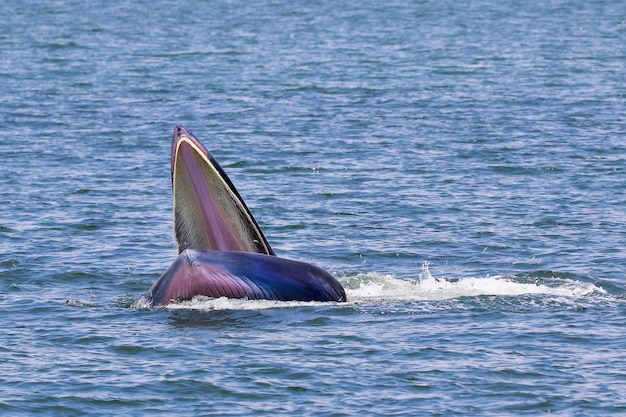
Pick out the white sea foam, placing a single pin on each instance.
(201, 302)
(426, 287)
(206, 303)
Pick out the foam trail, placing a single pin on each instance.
(371, 286)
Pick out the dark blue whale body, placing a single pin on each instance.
(243, 275)
(222, 251)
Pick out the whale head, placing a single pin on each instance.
(209, 213)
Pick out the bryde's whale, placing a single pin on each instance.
(222, 251)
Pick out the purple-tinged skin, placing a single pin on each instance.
(246, 275)
(222, 251)
(209, 213)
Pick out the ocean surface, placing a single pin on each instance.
(459, 166)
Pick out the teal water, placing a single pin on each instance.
(459, 167)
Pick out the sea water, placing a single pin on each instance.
(459, 166)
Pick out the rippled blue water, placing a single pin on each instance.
(460, 166)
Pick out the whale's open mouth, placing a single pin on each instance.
(209, 213)
(222, 251)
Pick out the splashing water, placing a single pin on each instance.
(372, 286)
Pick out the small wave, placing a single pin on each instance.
(372, 286)
(78, 303)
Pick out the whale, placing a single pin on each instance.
(222, 251)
